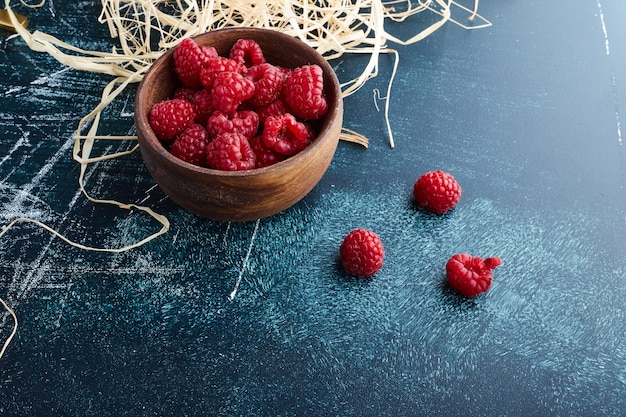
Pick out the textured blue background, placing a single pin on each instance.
(526, 114)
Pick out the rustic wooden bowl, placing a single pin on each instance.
(239, 195)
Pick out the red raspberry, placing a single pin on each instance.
(230, 152)
(201, 102)
(247, 52)
(210, 51)
(185, 93)
(361, 253)
(245, 122)
(437, 191)
(268, 82)
(284, 71)
(229, 90)
(190, 145)
(169, 118)
(286, 135)
(304, 92)
(264, 156)
(275, 108)
(216, 66)
(189, 59)
(470, 275)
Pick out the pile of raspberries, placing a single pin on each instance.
(237, 112)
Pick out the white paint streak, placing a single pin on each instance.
(13, 90)
(125, 113)
(617, 116)
(148, 191)
(225, 240)
(232, 295)
(43, 86)
(53, 12)
(613, 80)
(16, 205)
(22, 141)
(46, 79)
(606, 34)
(35, 274)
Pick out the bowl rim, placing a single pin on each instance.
(141, 119)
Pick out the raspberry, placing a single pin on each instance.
(201, 102)
(245, 122)
(470, 275)
(210, 51)
(190, 145)
(437, 191)
(284, 71)
(185, 93)
(304, 92)
(247, 52)
(169, 118)
(230, 152)
(286, 135)
(189, 59)
(229, 90)
(361, 253)
(264, 156)
(268, 82)
(276, 108)
(216, 66)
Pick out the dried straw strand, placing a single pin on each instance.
(13, 331)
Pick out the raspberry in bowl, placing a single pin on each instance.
(272, 166)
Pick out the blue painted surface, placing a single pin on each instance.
(524, 114)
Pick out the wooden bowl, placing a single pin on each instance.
(239, 195)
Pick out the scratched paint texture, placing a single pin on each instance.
(525, 114)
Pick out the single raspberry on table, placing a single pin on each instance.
(264, 156)
(189, 59)
(190, 145)
(437, 191)
(245, 122)
(217, 65)
(169, 118)
(362, 253)
(304, 92)
(286, 135)
(471, 275)
(230, 152)
(247, 52)
(229, 90)
(268, 83)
